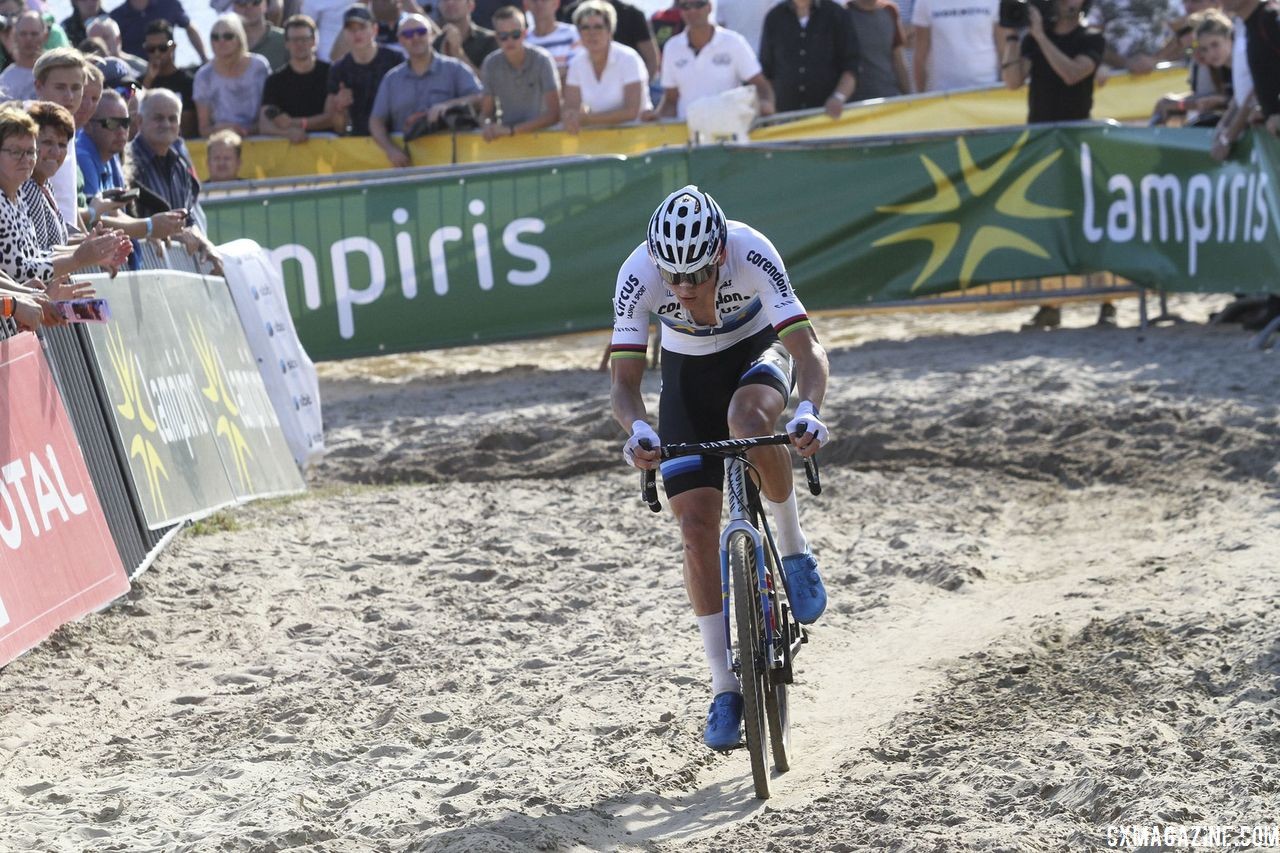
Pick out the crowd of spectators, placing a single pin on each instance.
(396, 69)
(94, 109)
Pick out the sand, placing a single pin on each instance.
(1052, 565)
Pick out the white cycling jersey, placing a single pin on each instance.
(753, 292)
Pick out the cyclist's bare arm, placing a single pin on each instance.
(811, 376)
(628, 403)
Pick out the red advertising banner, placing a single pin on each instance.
(57, 558)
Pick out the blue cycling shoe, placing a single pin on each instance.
(804, 585)
(724, 719)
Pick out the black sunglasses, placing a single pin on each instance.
(159, 48)
(112, 123)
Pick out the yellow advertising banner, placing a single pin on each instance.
(330, 155)
(1124, 98)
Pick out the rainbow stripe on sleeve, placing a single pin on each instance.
(628, 351)
(791, 324)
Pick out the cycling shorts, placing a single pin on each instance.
(694, 402)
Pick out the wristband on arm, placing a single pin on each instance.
(7, 306)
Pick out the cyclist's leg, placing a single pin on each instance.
(694, 399)
(754, 410)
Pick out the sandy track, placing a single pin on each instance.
(1054, 608)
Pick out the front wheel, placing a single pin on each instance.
(775, 697)
(753, 668)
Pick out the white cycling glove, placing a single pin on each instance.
(639, 431)
(806, 413)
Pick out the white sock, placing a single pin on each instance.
(786, 525)
(714, 645)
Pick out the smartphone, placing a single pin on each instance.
(84, 310)
(120, 195)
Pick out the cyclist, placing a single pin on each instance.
(735, 339)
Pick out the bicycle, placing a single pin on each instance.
(769, 637)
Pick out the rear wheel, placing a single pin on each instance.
(777, 712)
(753, 667)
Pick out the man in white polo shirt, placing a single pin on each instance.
(705, 60)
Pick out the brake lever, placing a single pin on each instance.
(649, 483)
(810, 464)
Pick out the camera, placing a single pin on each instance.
(1016, 14)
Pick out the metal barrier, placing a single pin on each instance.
(80, 385)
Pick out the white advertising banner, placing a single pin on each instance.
(290, 377)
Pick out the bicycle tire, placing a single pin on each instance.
(777, 710)
(746, 608)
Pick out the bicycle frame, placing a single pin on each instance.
(740, 521)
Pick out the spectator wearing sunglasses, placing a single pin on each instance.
(264, 39)
(133, 16)
(630, 27)
(607, 83)
(420, 89)
(228, 90)
(293, 102)
(706, 60)
(462, 39)
(18, 82)
(354, 79)
(521, 84)
(163, 72)
(104, 29)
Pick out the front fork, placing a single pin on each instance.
(762, 593)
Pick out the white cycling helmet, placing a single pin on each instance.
(686, 232)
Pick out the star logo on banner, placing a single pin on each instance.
(215, 390)
(133, 407)
(944, 237)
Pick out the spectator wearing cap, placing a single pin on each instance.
(264, 39)
(607, 83)
(163, 73)
(354, 79)
(331, 21)
(17, 82)
(60, 78)
(809, 55)
(706, 60)
(133, 16)
(462, 39)
(630, 27)
(521, 84)
(420, 89)
(119, 77)
(222, 157)
(555, 37)
(386, 20)
(82, 11)
(108, 32)
(228, 90)
(293, 101)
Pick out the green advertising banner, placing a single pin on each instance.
(188, 405)
(533, 250)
